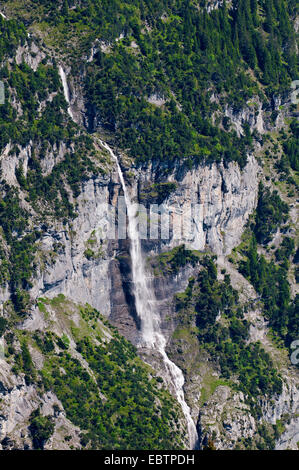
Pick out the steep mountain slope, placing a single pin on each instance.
(195, 99)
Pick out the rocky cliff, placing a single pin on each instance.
(76, 259)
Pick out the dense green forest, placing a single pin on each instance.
(117, 402)
(226, 340)
(177, 52)
(185, 57)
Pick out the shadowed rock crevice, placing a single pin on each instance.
(123, 310)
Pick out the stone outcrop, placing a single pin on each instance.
(222, 197)
(31, 54)
(210, 206)
(72, 273)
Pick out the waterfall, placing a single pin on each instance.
(145, 301)
(66, 90)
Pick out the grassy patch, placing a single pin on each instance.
(210, 383)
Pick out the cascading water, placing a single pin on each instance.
(66, 90)
(145, 301)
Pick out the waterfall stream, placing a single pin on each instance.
(66, 90)
(145, 301)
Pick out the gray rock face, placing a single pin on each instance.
(222, 198)
(227, 418)
(225, 197)
(73, 274)
(18, 400)
(10, 162)
(30, 54)
(290, 437)
(252, 115)
(210, 206)
(285, 408)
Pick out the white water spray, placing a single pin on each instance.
(145, 301)
(65, 90)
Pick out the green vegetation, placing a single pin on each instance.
(3, 324)
(91, 254)
(271, 282)
(210, 385)
(12, 34)
(42, 123)
(24, 364)
(170, 262)
(226, 340)
(271, 212)
(291, 148)
(13, 221)
(176, 57)
(44, 341)
(157, 192)
(125, 414)
(76, 167)
(17, 262)
(41, 429)
(286, 249)
(29, 88)
(267, 266)
(105, 389)
(264, 439)
(177, 52)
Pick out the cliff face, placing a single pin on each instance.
(75, 258)
(222, 200)
(212, 205)
(72, 273)
(18, 401)
(227, 419)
